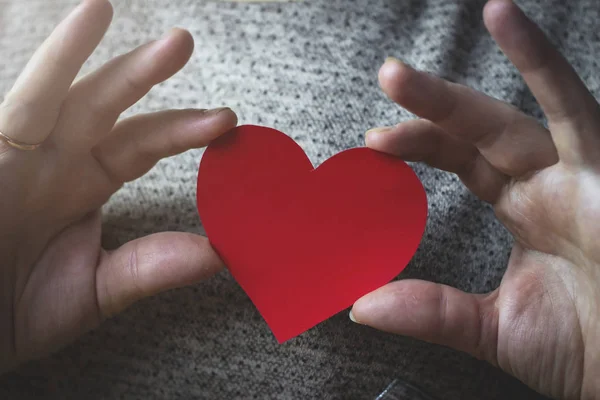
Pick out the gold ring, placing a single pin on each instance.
(19, 145)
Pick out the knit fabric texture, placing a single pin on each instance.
(308, 69)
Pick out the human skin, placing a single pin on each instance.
(542, 324)
(57, 282)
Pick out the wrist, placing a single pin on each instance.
(590, 388)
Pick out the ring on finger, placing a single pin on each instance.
(18, 144)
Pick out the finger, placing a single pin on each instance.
(31, 109)
(138, 143)
(103, 95)
(562, 95)
(422, 140)
(433, 313)
(150, 265)
(511, 141)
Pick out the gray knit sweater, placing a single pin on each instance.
(308, 69)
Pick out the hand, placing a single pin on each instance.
(542, 324)
(56, 280)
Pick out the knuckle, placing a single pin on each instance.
(133, 270)
(28, 120)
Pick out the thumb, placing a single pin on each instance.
(433, 313)
(150, 265)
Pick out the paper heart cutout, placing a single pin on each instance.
(306, 243)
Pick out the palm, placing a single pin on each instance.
(68, 254)
(553, 209)
(542, 324)
(57, 281)
(59, 297)
(546, 286)
(533, 299)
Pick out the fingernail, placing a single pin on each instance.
(170, 33)
(382, 129)
(394, 59)
(216, 111)
(167, 34)
(352, 318)
(81, 4)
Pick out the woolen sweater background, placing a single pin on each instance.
(310, 70)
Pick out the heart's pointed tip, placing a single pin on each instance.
(283, 339)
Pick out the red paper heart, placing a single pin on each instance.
(306, 243)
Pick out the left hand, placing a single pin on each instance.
(56, 282)
(542, 325)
